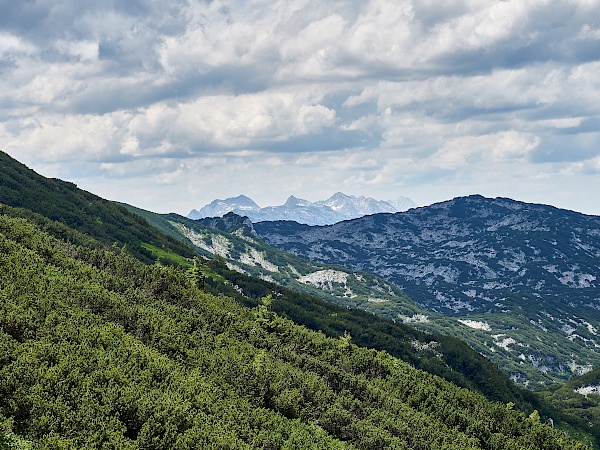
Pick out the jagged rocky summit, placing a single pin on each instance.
(335, 209)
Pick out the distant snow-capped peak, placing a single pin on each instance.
(218, 207)
(324, 212)
(295, 201)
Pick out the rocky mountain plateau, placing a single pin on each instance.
(513, 279)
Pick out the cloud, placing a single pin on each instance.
(205, 124)
(568, 148)
(11, 46)
(492, 148)
(348, 95)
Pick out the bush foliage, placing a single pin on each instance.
(102, 351)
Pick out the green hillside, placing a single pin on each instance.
(61, 201)
(58, 283)
(580, 398)
(445, 356)
(442, 356)
(233, 240)
(102, 351)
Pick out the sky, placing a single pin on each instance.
(170, 105)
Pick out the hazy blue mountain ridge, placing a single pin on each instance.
(468, 252)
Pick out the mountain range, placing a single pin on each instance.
(335, 209)
(533, 335)
(532, 309)
(114, 335)
(519, 282)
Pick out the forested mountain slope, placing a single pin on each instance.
(448, 358)
(518, 281)
(108, 222)
(100, 350)
(579, 398)
(230, 238)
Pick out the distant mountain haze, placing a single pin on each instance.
(335, 209)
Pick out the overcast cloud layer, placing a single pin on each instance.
(169, 105)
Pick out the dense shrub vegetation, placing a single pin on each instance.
(63, 202)
(444, 356)
(100, 350)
